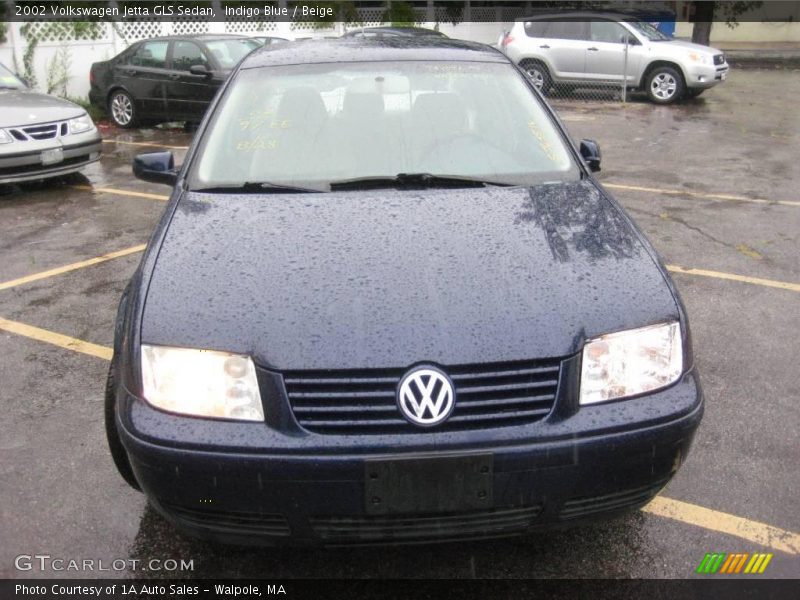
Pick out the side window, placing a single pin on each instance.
(535, 29)
(566, 30)
(151, 54)
(607, 31)
(187, 54)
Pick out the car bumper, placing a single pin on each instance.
(22, 161)
(706, 76)
(302, 494)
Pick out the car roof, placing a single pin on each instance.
(592, 14)
(356, 49)
(401, 30)
(200, 37)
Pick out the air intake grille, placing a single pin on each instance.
(240, 522)
(364, 402)
(42, 132)
(430, 527)
(579, 507)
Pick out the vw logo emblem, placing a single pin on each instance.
(425, 396)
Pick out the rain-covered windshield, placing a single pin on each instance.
(650, 32)
(229, 52)
(8, 80)
(315, 125)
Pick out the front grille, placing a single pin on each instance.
(229, 521)
(42, 132)
(587, 505)
(364, 402)
(719, 59)
(425, 527)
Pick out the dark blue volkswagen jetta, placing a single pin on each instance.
(388, 302)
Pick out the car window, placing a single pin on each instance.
(566, 30)
(8, 80)
(535, 29)
(229, 52)
(607, 31)
(315, 124)
(187, 54)
(151, 54)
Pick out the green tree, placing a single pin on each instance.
(705, 12)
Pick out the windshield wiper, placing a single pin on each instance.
(413, 180)
(257, 187)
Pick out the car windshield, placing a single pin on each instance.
(650, 32)
(9, 81)
(316, 125)
(229, 52)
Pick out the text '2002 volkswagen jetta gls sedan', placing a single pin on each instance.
(387, 301)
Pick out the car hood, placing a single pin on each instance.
(389, 278)
(24, 107)
(683, 46)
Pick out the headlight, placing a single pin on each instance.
(701, 58)
(631, 362)
(80, 124)
(203, 383)
(5, 138)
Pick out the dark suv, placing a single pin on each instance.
(166, 79)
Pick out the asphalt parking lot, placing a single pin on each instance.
(713, 183)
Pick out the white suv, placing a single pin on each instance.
(572, 49)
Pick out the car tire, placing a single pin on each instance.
(122, 109)
(664, 85)
(693, 92)
(112, 435)
(538, 74)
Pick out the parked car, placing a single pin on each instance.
(268, 40)
(377, 309)
(385, 32)
(166, 79)
(41, 135)
(580, 48)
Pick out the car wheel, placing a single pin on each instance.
(122, 109)
(664, 85)
(539, 75)
(693, 92)
(112, 435)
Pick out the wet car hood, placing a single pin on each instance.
(389, 278)
(24, 107)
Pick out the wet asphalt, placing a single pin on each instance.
(60, 494)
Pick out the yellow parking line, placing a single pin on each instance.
(710, 196)
(104, 190)
(151, 144)
(783, 285)
(676, 510)
(56, 339)
(753, 531)
(71, 267)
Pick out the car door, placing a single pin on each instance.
(143, 73)
(565, 44)
(188, 95)
(605, 56)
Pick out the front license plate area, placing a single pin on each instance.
(429, 485)
(51, 157)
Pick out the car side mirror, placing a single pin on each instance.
(199, 70)
(590, 151)
(156, 167)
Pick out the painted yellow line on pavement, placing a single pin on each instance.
(104, 190)
(71, 267)
(56, 339)
(150, 144)
(676, 510)
(753, 531)
(707, 195)
(783, 285)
